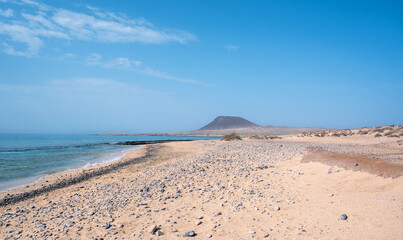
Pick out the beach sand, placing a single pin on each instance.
(278, 189)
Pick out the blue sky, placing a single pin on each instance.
(156, 66)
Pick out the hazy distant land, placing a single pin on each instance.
(227, 124)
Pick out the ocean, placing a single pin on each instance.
(24, 158)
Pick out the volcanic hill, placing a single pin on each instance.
(228, 122)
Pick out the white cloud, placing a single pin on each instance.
(21, 34)
(92, 86)
(99, 26)
(95, 59)
(67, 56)
(231, 47)
(89, 27)
(122, 62)
(163, 75)
(36, 23)
(7, 13)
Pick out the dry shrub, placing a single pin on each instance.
(378, 135)
(272, 137)
(335, 135)
(231, 137)
(390, 133)
(393, 135)
(254, 137)
(363, 132)
(379, 130)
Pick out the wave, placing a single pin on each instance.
(43, 148)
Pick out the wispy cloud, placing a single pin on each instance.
(96, 59)
(67, 56)
(89, 86)
(20, 34)
(231, 47)
(7, 13)
(33, 25)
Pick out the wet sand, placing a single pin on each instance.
(220, 190)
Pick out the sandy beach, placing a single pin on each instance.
(289, 188)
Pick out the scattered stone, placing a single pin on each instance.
(343, 217)
(217, 214)
(69, 224)
(355, 164)
(42, 225)
(108, 225)
(153, 229)
(276, 208)
(198, 223)
(208, 235)
(159, 233)
(12, 234)
(190, 234)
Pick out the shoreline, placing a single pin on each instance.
(34, 179)
(85, 172)
(22, 182)
(51, 181)
(220, 190)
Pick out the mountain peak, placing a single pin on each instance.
(228, 122)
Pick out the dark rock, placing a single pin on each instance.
(108, 225)
(217, 214)
(190, 234)
(42, 225)
(153, 229)
(343, 217)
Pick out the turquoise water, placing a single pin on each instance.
(25, 158)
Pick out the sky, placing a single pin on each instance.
(166, 66)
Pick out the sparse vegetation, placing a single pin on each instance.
(393, 135)
(268, 137)
(231, 137)
(272, 137)
(255, 137)
(389, 131)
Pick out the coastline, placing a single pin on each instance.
(116, 155)
(217, 189)
(61, 179)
